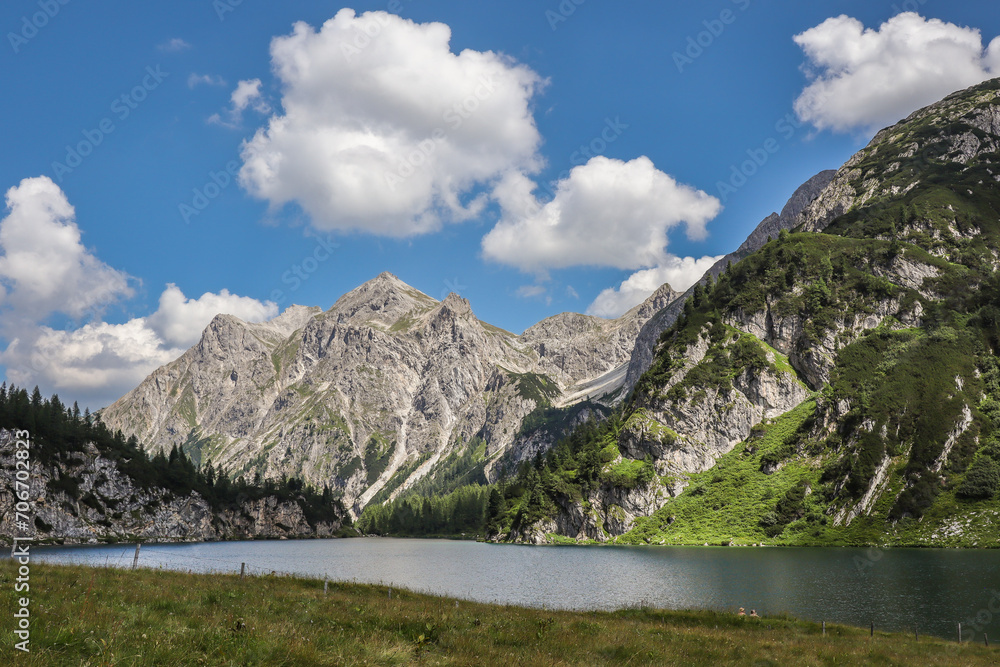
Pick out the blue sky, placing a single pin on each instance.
(113, 261)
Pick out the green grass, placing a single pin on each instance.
(726, 503)
(85, 616)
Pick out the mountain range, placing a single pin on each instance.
(834, 378)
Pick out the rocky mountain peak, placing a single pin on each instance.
(381, 302)
(658, 300)
(456, 303)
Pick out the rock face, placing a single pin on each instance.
(110, 507)
(769, 227)
(580, 346)
(385, 380)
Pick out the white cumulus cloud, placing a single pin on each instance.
(179, 321)
(97, 362)
(605, 213)
(385, 130)
(45, 270)
(247, 94)
(679, 272)
(101, 361)
(44, 266)
(866, 79)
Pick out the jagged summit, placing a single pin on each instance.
(381, 301)
(386, 283)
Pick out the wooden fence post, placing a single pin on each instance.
(326, 583)
(824, 628)
(873, 629)
(243, 570)
(959, 633)
(135, 559)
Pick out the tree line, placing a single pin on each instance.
(59, 432)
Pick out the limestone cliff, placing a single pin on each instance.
(108, 506)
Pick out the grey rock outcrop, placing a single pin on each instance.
(111, 507)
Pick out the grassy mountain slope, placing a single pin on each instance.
(841, 384)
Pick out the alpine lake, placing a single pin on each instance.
(929, 591)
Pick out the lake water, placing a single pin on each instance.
(896, 588)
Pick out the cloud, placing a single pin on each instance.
(246, 95)
(865, 79)
(44, 266)
(993, 57)
(98, 362)
(179, 321)
(175, 45)
(530, 291)
(385, 130)
(605, 213)
(679, 272)
(195, 80)
(45, 270)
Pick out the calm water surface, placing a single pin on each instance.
(897, 588)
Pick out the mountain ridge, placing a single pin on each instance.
(385, 379)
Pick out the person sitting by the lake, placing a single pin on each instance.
(742, 613)
(753, 613)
